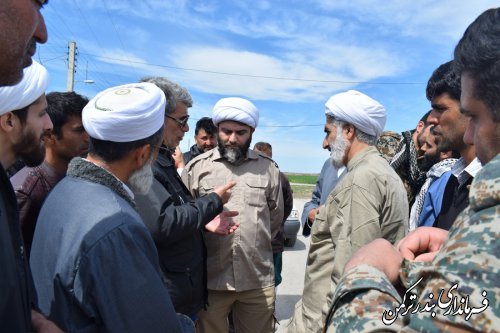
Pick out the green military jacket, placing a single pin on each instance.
(368, 202)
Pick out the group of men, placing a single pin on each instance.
(432, 279)
(123, 243)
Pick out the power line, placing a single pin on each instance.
(255, 76)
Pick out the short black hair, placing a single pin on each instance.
(478, 54)
(424, 117)
(110, 151)
(22, 114)
(206, 124)
(444, 80)
(62, 105)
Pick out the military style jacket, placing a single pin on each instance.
(368, 202)
(463, 278)
(243, 260)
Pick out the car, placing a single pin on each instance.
(292, 226)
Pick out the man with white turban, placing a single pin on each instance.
(368, 202)
(240, 266)
(23, 122)
(94, 262)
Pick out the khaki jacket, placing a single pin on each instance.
(368, 202)
(243, 260)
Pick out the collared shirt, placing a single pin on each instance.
(464, 172)
(243, 260)
(369, 202)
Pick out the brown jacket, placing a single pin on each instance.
(32, 185)
(243, 260)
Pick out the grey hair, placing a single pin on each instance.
(360, 135)
(173, 92)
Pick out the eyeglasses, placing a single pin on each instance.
(181, 122)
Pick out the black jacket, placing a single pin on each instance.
(192, 153)
(178, 234)
(16, 285)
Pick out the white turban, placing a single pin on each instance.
(355, 108)
(236, 109)
(125, 113)
(33, 85)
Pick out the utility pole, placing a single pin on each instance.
(71, 66)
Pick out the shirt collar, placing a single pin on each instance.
(464, 172)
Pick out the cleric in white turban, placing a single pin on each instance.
(358, 109)
(125, 113)
(236, 109)
(33, 85)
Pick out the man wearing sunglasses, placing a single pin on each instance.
(176, 221)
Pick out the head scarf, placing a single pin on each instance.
(235, 109)
(125, 113)
(356, 108)
(33, 85)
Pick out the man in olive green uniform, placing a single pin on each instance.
(368, 202)
(460, 269)
(239, 266)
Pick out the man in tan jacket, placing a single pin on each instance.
(368, 202)
(240, 266)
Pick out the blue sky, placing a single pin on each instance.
(288, 57)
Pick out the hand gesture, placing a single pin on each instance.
(178, 158)
(224, 192)
(223, 223)
(380, 254)
(422, 244)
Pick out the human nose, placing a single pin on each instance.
(325, 143)
(433, 118)
(47, 123)
(469, 134)
(40, 33)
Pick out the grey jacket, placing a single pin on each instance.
(94, 263)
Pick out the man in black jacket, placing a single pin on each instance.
(177, 221)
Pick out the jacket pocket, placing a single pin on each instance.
(207, 185)
(255, 194)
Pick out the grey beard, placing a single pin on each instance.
(233, 155)
(141, 180)
(338, 150)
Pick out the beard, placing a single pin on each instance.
(339, 149)
(234, 154)
(141, 180)
(30, 149)
(427, 161)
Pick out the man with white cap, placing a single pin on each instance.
(94, 262)
(368, 202)
(23, 122)
(240, 266)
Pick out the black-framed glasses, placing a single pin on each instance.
(181, 122)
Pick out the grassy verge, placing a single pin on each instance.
(302, 191)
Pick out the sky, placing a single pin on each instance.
(287, 57)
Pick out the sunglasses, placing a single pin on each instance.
(181, 122)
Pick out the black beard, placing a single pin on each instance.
(234, 155)
(30, 150)
(427, 162)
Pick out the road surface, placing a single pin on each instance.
(294, 262)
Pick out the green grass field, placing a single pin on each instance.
(302, 178)
(306, 181)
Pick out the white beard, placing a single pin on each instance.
(232, 155)
(339, 149)
(141, 180)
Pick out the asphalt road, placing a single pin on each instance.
(294, 262)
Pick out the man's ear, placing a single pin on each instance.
(349, 131)
(142, 154)
(419, 127)
(8, 121)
